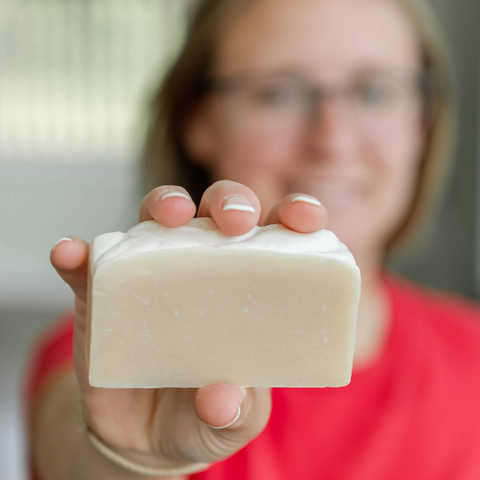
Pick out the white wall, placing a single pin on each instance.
(41, 203)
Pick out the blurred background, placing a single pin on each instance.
(76, 78)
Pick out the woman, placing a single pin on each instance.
(335, 100)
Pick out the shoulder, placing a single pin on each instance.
(436, 302)
(51, 352)
(54, 345)
(446, 317)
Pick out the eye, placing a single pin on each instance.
(375, 93)
(277, 95)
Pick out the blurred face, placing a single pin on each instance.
(318, 97)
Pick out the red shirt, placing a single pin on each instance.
(413, 414)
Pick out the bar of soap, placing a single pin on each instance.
(190, 306)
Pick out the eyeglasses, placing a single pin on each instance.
(289, 102)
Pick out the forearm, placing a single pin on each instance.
(61, 449)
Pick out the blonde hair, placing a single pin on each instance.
(166, 160)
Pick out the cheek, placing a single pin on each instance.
(398, 159)
(398, 156)
(391, 165)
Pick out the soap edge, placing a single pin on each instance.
(88, 319)
(102, 254)
(338, 256)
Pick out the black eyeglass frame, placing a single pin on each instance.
(430, 84)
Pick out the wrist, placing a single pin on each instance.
(136, 462)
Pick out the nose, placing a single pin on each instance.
(332, 134)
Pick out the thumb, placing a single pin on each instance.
(69, 257)
(220, 405)
(231, 417)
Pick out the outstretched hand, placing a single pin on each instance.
(180, 425)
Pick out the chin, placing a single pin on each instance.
(349, 231)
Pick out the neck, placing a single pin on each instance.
(370, 264)
(373, 318)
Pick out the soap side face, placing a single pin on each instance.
(196, 316)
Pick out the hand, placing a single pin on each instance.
(176, 424)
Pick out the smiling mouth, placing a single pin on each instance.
(334, 194)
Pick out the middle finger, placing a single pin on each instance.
(233, 206)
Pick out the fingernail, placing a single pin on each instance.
(237, 202)
(305, 199)
(174, 194)
(244, 391)
(229, 424)
(62, 240)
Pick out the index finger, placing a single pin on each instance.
(169, 205)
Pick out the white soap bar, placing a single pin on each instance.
(190, 306)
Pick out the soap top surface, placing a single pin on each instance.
(204, 233)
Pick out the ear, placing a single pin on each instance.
(199, 135)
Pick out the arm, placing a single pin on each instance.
(61, 450)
